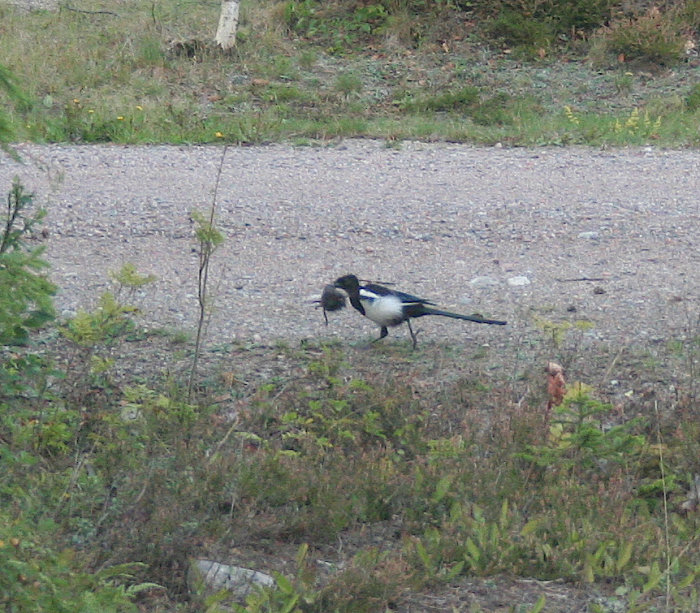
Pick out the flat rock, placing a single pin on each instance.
(484, 281)
(235, 579)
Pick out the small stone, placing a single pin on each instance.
(519, 281)
(484, 281)
(239, 581)
(592, 235)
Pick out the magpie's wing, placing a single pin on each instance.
(380, 290)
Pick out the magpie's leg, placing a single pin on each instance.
(382, 334)
(414, 335)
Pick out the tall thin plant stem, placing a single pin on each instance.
(665, 500)
(208, 242)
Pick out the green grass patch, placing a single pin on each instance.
(142, 74)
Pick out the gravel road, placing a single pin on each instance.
(498, 231)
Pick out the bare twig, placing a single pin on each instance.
(665, 493)
(612, 364)
(70, 8)
(222, 442)
(206, 248)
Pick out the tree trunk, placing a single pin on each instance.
(228, 23)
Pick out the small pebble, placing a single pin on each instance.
(484, 281)
(520, 281)
(589, 235)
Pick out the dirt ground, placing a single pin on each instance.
(609, 237)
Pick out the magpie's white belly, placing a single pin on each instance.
(385, 310)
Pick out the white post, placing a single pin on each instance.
(228, 23)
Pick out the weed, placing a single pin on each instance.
(459, 100)
(348, 84)
(9, 86)
(692, 100)
(639, 125)
(526, 33)
(307, 59)
(370, 582)
(653, 37)
(209, 239)
(624, 83)
(578, 439)
(285, 595)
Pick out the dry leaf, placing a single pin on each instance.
(228, 378)
(556, 384)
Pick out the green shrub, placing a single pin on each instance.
(339, 25)
(493, 110)
(654, 37)
(25, 293)
(452, 100)
(34, 577)
(9, 86)
(579, 14)
(514, 29)
(692, 100)
(579, 442)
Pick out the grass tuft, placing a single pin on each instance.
(310, 70)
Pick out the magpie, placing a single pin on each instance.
(388, 307)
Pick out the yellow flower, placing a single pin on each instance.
(91, 110)
(76, 101)
(219, 135)
(570, 115)
(120, 118)
(139, 107)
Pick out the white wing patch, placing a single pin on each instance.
(382, 310)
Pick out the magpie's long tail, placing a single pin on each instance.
(475, 318)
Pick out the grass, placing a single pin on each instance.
(333, 446)
(148, 73)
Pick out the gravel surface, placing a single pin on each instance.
(497, 231)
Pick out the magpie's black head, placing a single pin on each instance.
(349, 283)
